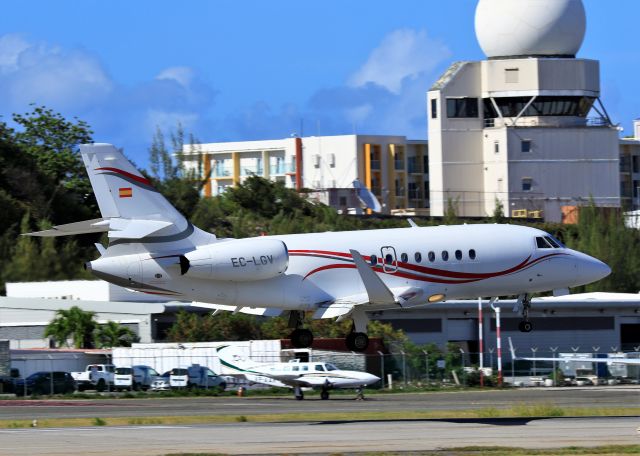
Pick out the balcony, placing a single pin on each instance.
(282, 168)
(222, 171)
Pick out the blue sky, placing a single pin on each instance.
(241, 70)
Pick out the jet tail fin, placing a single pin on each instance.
(120, 189)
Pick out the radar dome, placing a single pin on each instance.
(514, 28)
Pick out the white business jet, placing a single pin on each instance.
(294, 374)
(154, 249)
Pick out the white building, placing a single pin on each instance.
(392, 167)
(515, 127)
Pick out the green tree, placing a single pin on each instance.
(73, 323)
(451, 214)
(498, 212)
(113, 334)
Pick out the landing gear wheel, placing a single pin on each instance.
(525, 326)
(357, 341)
(301, 338)
(324, 395)
(297, 391)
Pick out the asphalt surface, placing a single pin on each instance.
(318, 438)
(616, 396)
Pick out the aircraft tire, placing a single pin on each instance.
(525, 326)
(300, 396)
(357, 342)
(301, 338)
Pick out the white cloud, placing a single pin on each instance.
(182, 75)
(11, 46)
(403, 54)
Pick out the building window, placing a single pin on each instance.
(525, 145)
(496, 147)
(332, 160)
(512, 75)
(635, 164)
(527, 183)
(434, 108)
(462, 108)
(316, 161)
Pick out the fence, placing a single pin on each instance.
(397, 369)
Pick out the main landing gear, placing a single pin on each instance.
(357, 340)
(525, 325)
(300, 337)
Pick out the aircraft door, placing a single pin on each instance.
(389, 259)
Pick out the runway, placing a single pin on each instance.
(618, 396)
(318, 437)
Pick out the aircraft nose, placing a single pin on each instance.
(591, 269)
(371, 379)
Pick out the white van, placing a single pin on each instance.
(123, 379)
(179, 377)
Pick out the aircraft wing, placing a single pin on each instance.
(261, 311)
(586, 359)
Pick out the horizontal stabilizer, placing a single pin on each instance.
(134, 229)
(377, 291)
(85, 227)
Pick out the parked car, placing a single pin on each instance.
(203, 377)
(123, 379)
(44, 383)
(162, 383)
(144, 376)
(95, 376)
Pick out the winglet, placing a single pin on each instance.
(377, 291)
(512, 350)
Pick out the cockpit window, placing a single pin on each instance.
(548, 242)
(542, 243)
(330, 367)
(319, 368)
(553, 242)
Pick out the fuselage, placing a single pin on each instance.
(438, 263)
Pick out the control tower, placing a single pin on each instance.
(525, 127)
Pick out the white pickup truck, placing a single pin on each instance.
(95, 376)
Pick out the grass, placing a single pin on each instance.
(607, 450)
(518, 411)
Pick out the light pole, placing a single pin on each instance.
(426, 364)
(534, 351)
(481, 341)
(496, 309)
(381, 368)
(555, 380)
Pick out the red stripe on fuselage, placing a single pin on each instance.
(140, 179)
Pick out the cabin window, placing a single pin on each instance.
(418, 257)
(305, 368)
(404, 258)
(472, 254)
(374, 260)
(319, 367)
(295, 368)
(445, 255)
(388, 259)
(432, 256)
(458, 255)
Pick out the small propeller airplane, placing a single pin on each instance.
(154, 249)
(294, 374)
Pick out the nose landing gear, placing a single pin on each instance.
(525, 325)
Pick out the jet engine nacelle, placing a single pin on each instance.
(237, 261)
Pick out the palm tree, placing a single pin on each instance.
(73, 323)
(113, 334)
